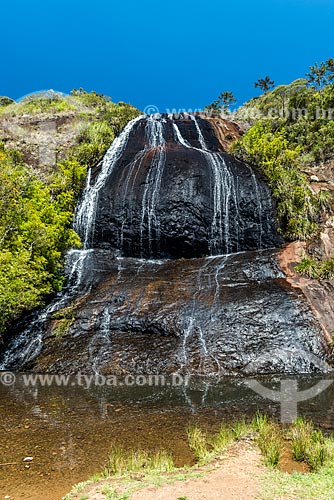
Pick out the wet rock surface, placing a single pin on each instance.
(175, 193)
(206, 296)
(217, 315)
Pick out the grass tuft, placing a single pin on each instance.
(197, 440)
(308, 444)
(271, 442)
(240, 429)
(222, 439)
(121, 462)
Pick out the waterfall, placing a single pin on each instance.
(224, 191)
(84, 217)
(194, 318)
(259, 205)
(85, 214)
(99, 348)
(28, 344)
(179, 137)
(200, 135)
(207, 284)
(155, 135)
(161, 185)
(136, 163)
(137, 223)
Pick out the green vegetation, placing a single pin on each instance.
(298, 209)
(96, 138)
(322, 75)
(299, 486)
(315, 268)
(317, 451)
(121, 462)
(270, 439)
(37, 206)
(62, 327)
(302, 113)
(112, 494)
(309, 445)
(5, 101)
(220, 441)
(205, 447)
(271, 444)
(221, 104)
(44, 102)
(197, 440)
(291, 136)
(101, 118)
(264, 84)
(35, 232)
(317, 485)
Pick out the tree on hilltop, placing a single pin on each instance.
(264, 84)
(222, 103)
(321, 75)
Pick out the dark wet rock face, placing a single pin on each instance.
(166, 190)
(175, 193)
(218, 315)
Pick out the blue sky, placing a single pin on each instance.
(173, 54)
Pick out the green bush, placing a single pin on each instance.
(284, 145)
(298, 208)
(315, 268)
(5, 101)
(93, 143)
(35, 232)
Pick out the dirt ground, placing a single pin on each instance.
(237, 477)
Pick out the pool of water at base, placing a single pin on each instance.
(69, 430)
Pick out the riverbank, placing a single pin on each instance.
(255, 460)
(238, 475)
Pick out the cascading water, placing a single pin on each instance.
(177, 270)
(174, 194)
(156, 141)
(85, 214)
(223, 191)
(199, 132)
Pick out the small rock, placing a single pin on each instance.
(28, 459)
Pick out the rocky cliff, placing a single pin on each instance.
(175, 192)
(180, 269)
